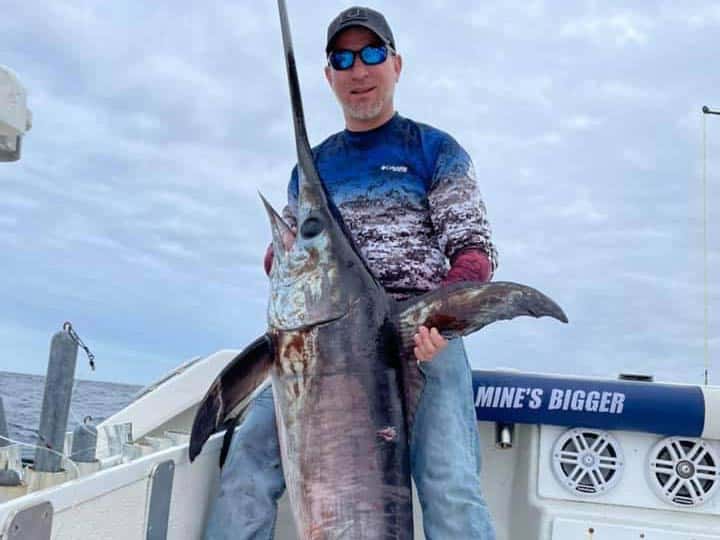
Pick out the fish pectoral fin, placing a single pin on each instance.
(227, 394)
(462, 308)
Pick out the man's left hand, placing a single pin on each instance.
(428, 343)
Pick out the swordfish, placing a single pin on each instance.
(339, 351)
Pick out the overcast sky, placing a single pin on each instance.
(134, 210)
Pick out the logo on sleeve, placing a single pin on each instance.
(394, 168)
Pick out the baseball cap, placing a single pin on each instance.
(360, 16)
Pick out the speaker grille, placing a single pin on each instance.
(587, 462)
(684, 471)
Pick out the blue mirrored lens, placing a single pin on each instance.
(370, 55)
(342, 59)
(373, 55)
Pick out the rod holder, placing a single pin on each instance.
(56, 403)
(84, 442)
(9, 478)
(10, 465)
(39, 480)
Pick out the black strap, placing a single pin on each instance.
(227, 438)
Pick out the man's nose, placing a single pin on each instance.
(359, 70)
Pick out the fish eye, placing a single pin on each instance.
(311, 227)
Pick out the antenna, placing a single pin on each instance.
(706, 349)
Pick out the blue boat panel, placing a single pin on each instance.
(664, 409)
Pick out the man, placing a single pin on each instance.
(407, 193)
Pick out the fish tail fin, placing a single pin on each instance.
(463, 308)
(458, 310)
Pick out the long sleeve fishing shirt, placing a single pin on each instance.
(407, 192)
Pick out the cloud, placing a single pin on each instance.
(582, 122)
(618, 29)
(582, 210)
(18, 202)
(135, 211)
(615, 90)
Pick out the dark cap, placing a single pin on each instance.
(360, 16)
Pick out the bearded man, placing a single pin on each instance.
(407, 193)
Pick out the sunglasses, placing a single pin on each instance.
(371, 55)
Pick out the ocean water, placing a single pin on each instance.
(22, 396)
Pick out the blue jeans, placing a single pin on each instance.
(444, 457)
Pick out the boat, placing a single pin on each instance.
(563, 458)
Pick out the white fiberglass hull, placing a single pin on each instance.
(529, 492)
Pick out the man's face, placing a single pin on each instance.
(365, 92)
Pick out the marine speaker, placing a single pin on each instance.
(684, 471)
(587, 462)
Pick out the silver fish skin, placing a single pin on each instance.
(337, 384)
(342, 429)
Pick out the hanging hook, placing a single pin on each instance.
(67, 327)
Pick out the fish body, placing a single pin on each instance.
(342, 431)
(337, 385)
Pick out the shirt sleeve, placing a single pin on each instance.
(456, 207)
(468, 264)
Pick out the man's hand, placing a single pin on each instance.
(428, 343)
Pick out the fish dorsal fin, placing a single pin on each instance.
(458, 310)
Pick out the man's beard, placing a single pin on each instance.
(367, 111)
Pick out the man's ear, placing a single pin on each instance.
(397, 61)
(328, 75)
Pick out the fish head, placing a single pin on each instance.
(317, 274)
